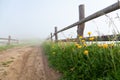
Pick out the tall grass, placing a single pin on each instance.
(84, 62)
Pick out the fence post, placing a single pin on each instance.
(56, 36)
(51, 36)
(9, 40)
(80, 28)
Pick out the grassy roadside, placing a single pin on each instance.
(5, 47)
(84, 62)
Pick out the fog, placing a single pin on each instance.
(28, 19)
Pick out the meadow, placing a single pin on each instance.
(83, 61)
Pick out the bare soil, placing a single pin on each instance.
(25, 63)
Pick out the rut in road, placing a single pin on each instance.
(31, 65)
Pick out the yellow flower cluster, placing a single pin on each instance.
(91, 39)
(78, 46)
(82, 42)
(105, 45)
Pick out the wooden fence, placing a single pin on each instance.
(9, 40)
(81, 23)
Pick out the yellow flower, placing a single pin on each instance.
(99, 45)
(86, 52)
(111, 45)
(83, 41)
(80, 37)
(79, 46)
(89, 33)
(76, 44)
(85, 45)
(105, 45)
(91, 39)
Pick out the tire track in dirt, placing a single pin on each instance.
(30, 67)
(34, 68)
(10, 55)
(30, 64)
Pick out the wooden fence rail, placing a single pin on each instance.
(82, 20)
(9, 39)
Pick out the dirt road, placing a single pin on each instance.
(25, 63)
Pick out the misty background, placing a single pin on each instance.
(28, 19)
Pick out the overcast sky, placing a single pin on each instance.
(37, 18)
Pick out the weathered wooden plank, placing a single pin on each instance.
(3, 38)
(7, 39)
(106, 10)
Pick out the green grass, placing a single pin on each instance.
(6, 63)
(102, 62)
(6, 47)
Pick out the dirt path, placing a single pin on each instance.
(25, 63)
